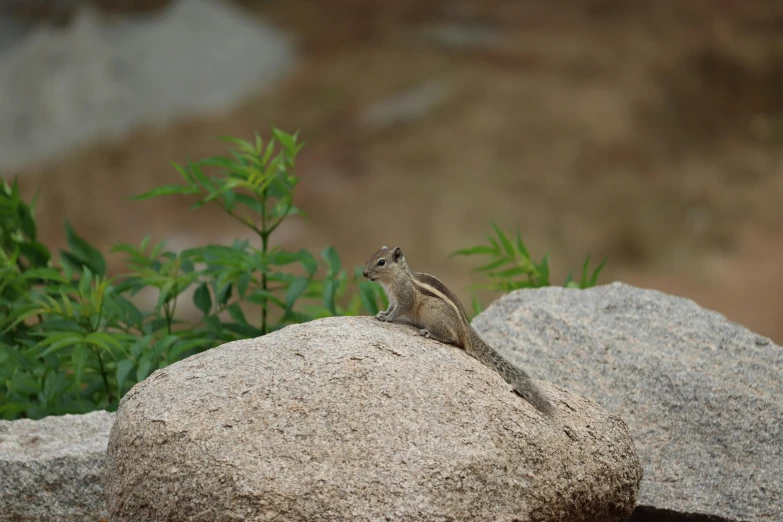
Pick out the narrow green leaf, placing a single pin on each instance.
(477, 308)
(200, 177)
(179, 349)
(78, 360)
(585, 278)
(285, 139)
(87, 254)
(329, 254)
(476, 250)
(507, 246)
(596, 273)
(225, 293)
(36, 253)
(27, 221)
(47, 274)
(214, 325)
(250, 202)
(492, 265)
(167, 190)
(165, 293)
(185, 174)
(513, 272)
(124, 368)
(296, 288)
(69, 340)
(368, 297)
(105, 341)
(202, 298)
(329, 290)
(84, 281)
(236, 313)
(521, 246)
(262, 297)
(243, 281)
(270, 148)
(144, 368)
(543, 271)
(66, 303)
(219, 162)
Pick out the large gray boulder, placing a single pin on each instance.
(703, 396)
(354, 419)
(51, 470)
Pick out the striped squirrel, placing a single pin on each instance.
(425, 302)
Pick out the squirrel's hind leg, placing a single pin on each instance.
(444, 335)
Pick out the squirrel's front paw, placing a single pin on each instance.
(381, 316)
(425, 333)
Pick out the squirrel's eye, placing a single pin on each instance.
(381, 262)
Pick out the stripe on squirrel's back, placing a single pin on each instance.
(426, 291)
(430, 286)
(434, 283)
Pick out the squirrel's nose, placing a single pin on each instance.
(365, 273)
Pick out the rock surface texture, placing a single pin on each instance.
(353, 419)
(703, 397)
(51, 469)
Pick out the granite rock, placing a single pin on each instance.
(348, 418)
(51, 470)
(703, 396)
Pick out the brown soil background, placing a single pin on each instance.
(649, 133)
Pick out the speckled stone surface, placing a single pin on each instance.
(703, 396)
(51, 470)
(354, 419)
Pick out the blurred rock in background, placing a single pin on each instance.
(100, 76)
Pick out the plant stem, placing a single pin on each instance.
(277, 224)
(167, 313)
(264, 285)
(264, 248)
(105, 378)
(245, 222)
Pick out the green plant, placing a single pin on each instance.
(511, 267)
(74, 340)
(43, 309)
(255, 187)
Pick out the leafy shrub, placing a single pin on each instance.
(73, 339)
(511, 267)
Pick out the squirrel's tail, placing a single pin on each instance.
(516, 377)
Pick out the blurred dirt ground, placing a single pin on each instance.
(650, 133)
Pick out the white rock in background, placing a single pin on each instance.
(104, 75)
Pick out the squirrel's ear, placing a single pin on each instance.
(397, 254)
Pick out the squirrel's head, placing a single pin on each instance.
(385, 264)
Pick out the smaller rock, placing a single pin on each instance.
(52, 469)
(406, 107)
(460, 37)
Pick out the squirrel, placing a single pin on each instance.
(423, 301)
